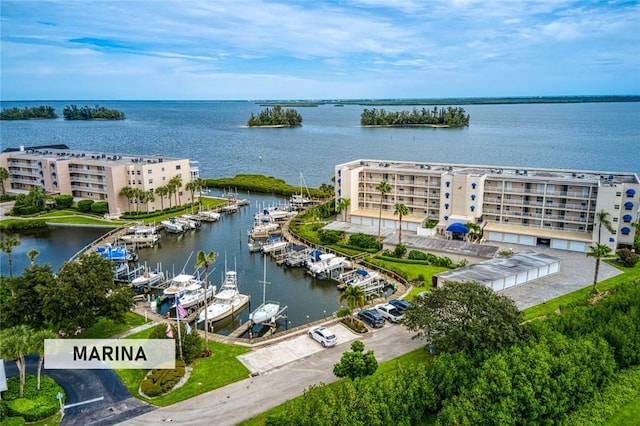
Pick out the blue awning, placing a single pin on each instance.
(625, 230)
(631, 192)
(457, 227)
(628, 205)
(627, 218)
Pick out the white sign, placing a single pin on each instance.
(3, 377)
(101, 354)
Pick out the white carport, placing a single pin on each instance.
(504, 272)
(529, 236)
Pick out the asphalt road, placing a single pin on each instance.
(94, 397)
(254, 395)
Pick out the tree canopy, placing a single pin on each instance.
(28, 113)
(276, 116)
(465, 316)
(356, 363)
(450, 117)
(72, 112)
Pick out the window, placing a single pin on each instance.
(178, 167)
(150, 181)
(616, 207)
(615, 219)
(149, 171)
(138, 172)
(618, 194)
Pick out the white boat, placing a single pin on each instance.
(144, 235)
(173, 225)
(179, 283)
(189, 221)
(193, 294)
(209, 216)
(301, 200)
(328, 262)
(274, 244)
(148, 279)
(268, 310)
(227, 301)
(274, 214)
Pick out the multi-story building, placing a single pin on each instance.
(96, 176)
(552, 207)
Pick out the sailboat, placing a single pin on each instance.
(302, 200)
(268, 310)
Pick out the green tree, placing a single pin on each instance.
(4, 175)
(26, 290)
(353, 296)
(15, 344)
(343, 207)
(84, 291)
(206, 259)
(598, 251)
(465, 316)
(383, 187)
(176, 184)
(400, 210)
(356, 363)
(7, 245)
(475, 232)
(162, 191)
(602, 219)
(129, 193)
(37, 345)
(32, 254)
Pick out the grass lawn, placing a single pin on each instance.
(411, 272)
(627, 415)
(211, 373)
(106, 328)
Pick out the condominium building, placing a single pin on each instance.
(552, 207)
(96, 175)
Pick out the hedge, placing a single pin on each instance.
(35, 405)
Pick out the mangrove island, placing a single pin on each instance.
(72, 112)
(449, 117)
(28, 113)
(275, 117)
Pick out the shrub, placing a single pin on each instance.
(63, 201)
(36, 405)
(364, 241)
(417, 255)
(330, 237)
(85, 206)
(627, 257)
(399, 251)
(100, 207)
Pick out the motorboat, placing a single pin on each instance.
(328, 262)
(227, 301)
(179, 283)
(209, 216)
(268, 310)
(274, 244)
(173, 225)
(148, 279)
(119, 254)
(194, 294)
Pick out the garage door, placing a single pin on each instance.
(559, 244)
(532, 274)
(577, 246)
(554, 267)
(521, 278)
(510, 281)
(511, 238)
(527, 240)
(497, 285)
(494, 236)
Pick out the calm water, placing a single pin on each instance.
(594, 136)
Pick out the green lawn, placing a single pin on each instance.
(106, 328)
(627, 415)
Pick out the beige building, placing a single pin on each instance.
(550, 207)
(96, 175)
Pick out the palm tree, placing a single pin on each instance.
(383, 187)
(475, 232)
(146, 197)
(7, 245)
(343, 207)
(4, 175)
(37, 345)
(206, 259)
(401, 210)
(32, 254)
(162, 191)
(176, 182)
(602, 218)
(353, 296)
(598, 251)
(15, 343)
(129, 193)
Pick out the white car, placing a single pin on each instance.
(323, 335)
(389, 312)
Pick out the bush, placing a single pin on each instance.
(365, 241)
(36, 405)
(627, 257)
(23, 224)
(63, 201)
(399, 251)
(100, 207)
(85, 206)
(417, 255)
(330, 237)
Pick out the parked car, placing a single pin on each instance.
(371, 317)
(323, 335)
(400, 305)
(389, 312)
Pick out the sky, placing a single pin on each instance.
(317, 49)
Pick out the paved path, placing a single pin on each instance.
(285, 378)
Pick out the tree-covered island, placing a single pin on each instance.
(28, 113)
(275, 117)
(72, 112)
(449, 117)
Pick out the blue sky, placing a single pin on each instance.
(271, 49)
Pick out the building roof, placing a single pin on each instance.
(500, 268)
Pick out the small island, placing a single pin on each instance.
(72, 112)
(275, 117)
(28, 113)
(449, 117)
